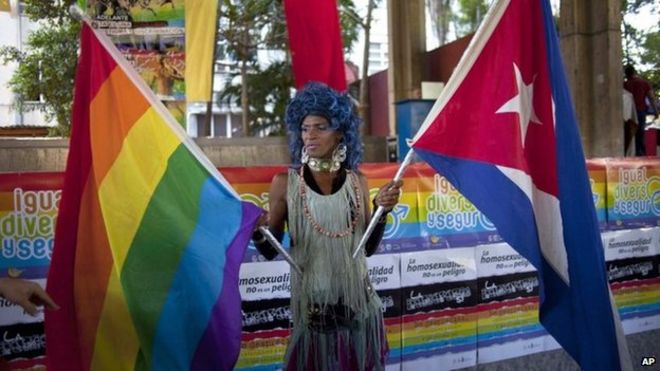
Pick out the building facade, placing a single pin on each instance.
(14, 31)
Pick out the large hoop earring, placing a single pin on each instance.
(339, 154)
(304, 156)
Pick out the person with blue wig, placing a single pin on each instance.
(324, 200)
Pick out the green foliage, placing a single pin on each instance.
(269, 90)
(634, 6)
(273, 88)
(651, 57)
(471, 12)
(641, 48)
(250, 25)
(350, 26)
(651, 49)
(46, 67)
(633, 38)
(242, 26)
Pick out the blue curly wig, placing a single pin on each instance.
(320, 100)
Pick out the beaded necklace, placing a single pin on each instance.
(315, 224)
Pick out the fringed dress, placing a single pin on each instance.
(337, 315)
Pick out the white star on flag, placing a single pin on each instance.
(522, 104)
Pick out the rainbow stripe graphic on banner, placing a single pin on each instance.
(633, 192)
(265, 314)
(597, 170)
(385, 276)
(431, 213)
(634, 275)
(263, 350)
(149, 236)
(439, 299)
(402, 230)
(638, 298)
(27, 223)
(509, 321)
(508, 288)
(446, 217)
(444, 331)
(253, 186)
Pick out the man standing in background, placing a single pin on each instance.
(640, 90)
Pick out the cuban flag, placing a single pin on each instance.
(504, 133)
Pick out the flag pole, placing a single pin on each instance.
(276, 244)
(77, 13)
(380, 210)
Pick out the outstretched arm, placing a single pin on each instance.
(274, 219)
(27, 294)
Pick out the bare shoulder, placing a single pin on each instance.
(281, 178)
(278, 185)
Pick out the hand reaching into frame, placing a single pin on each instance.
(27, 294)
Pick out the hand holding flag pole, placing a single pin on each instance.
(380, 210)
(277, 246)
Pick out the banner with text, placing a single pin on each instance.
(151, 35)
(633, 193)
(508, 311)
(633, 264)
(449, 285)
(439, 291)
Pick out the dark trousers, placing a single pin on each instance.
(640, 146)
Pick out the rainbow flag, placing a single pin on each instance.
(149, 236)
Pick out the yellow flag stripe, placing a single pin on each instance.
(141, 164)
(116, 345)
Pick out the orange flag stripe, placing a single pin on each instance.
(92, 277)
(106, 121)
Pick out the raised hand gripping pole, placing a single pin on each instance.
(276, 244)
(380, 210)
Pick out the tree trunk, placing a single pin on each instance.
(205, 130)
(364, 79)
(245, 104)
(440, 12)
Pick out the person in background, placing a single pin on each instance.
(324, 200)
(640, 90)
(27, 294)
(629, 121)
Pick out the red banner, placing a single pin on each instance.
(315, 42)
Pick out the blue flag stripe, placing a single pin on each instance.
(198, 280)
(595, 332)
(514, 221)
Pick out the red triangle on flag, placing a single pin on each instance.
(501, 110)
